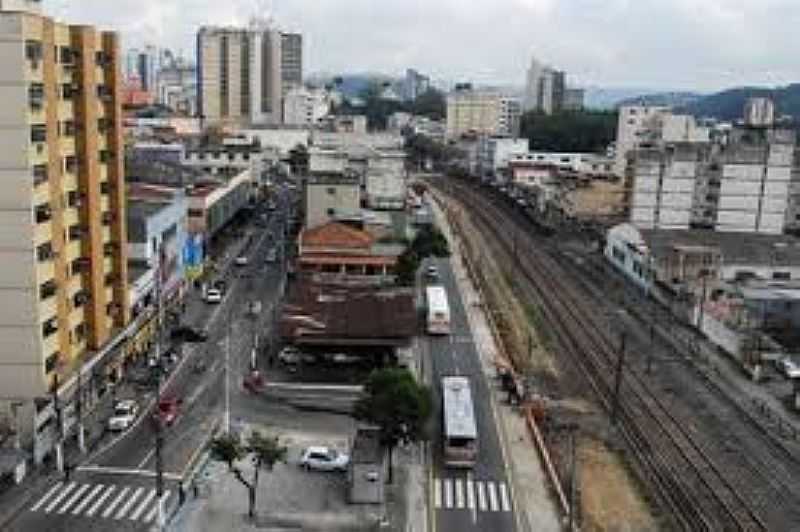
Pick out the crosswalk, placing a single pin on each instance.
(469, 494)
(104, 501)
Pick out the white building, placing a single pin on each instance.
(588, 164)
(636, 125)
(305, 107)
(545, 89)
(759, 112)
(494, 153)
(482, 112)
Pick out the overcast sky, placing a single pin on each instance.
(677, 44)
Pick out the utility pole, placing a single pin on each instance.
(59, 426)
(79, 412)
(618, 380)
(159, 428)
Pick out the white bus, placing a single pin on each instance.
(459, 430)
(438, 311)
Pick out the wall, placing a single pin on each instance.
(326, 201)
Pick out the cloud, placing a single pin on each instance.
(705, 44)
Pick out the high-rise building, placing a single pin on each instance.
(759, 112)
(63, 283)
(552, 87)
(533, 86)
(244, 73)
(482, 112)
(573, 99)
(415, 84)
(291, 61)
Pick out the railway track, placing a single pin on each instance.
(704, 485)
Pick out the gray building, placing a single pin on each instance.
(329, 197)
(291, 61)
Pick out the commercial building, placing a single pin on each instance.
(414, 85)
(329, 197)
(574, 99)
(482, 112)
(305, 107)
(177, 86)
(62, 211)
(212, 205)
(494, 153)
(636, 125)
(291, 62)
(546, 90)
(759, 112)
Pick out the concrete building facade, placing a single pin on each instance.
(482, 112)
(62, 211)
(305, 107)
(329, 198)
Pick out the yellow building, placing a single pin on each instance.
(63, 248)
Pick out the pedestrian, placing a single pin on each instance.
(194, 489)
(67, 470)
(181, 494)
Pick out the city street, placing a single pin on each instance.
(115, 485)
(479, 498)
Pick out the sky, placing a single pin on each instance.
(702, 45)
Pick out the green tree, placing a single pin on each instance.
(398, 405)
(585, 131)
(430, 103)
(266, 452)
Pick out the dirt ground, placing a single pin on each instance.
(610, 497)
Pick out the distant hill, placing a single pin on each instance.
(669, 99)
(606, 98)
(729, 104)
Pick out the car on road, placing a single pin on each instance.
(213, 295)
(167, 410)
(189, 334)
(290, 356)
(342, 359)
(124, 415)
(789, 367)
(320, 458)
(241, 260)
(432, 272)
(271, 256)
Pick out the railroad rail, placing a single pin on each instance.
(703, 484)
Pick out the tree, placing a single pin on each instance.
(430, 103)
(398, 405)
(585, 131)
(266, 453)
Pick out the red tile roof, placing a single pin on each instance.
(336, 235)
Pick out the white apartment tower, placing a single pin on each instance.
(244, 73)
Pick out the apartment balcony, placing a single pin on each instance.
(43, 213)
(41, 175)
(49, 328)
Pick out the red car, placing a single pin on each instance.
(167, 410)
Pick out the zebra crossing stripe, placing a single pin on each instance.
(130, 502)
(504, 500)
(459, 493)
(448, 493)
(74, 498)
(99, 501)
(46, 496)
(64, 493)
(143, 506)
(437, 493)
(470, 494)
(154, 511)
(481, 497)
(85, 502)
(116, 502)
(493, 506)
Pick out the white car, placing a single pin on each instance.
(290, 356)
(321, 458)
(213, 295)
(125, 413)
(789, 367)
(241, 260)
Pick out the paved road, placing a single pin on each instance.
(480, 498)
(114, 488)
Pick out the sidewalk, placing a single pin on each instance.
(535, 510)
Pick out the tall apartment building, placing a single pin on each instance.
(415, 84)
(244, 73)
(636, 125)
(482, 112)
(291, 61)
(748, 185)
(545, 89)
(63, 283)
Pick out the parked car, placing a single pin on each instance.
(213, 295)
(342, 359)
(241, 260)
(789, 367)
(189, 334)
(124, 415)
(167, 410)
(319, 458)
(290, 355)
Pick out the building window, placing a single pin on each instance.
(43, 213)
(50, 327)
(105, 188)
(110, 278)
(75, 232)
(79, 333)
(80, 299)
(74, 199)
(196, 213)
(44, 252)
(48, 289)
(782, 276)
(38, 133)
(66, 55)
(36, 95)
(331, 212)
(51, 361)
(331, 191)
(40, 174)
(33, 51)
(68, 128)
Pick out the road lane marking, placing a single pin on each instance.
(124, 510)
(64, 493)
(86, 500)
(47, 496)
(492, 496)
(116, 501)
(99, 501)
(154, 511)
(143, 506)
(74, 498)
(147, 457)
(459, 493)
(437, 493)
(471, 497)
(504, 501)
(481, 497)
(448, 493)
